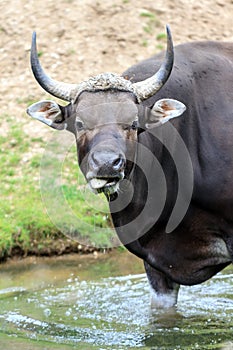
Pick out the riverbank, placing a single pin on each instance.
(50, 246)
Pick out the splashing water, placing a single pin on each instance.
(86, 303)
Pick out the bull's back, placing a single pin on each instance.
(202, 78)
(188, 57)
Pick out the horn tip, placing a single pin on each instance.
(169, 39)
(34, 38)
(168, 29)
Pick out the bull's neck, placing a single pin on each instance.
(150, 196)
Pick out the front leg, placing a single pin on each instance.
(164, 291)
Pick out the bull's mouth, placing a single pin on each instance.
(108, 186)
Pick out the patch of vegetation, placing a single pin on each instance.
(161, 36)
(25, 227)
(152, 22)
(160, 47)
(40, 53)
(148, 15)
(71, 52)
(145, 42)
(26, 101)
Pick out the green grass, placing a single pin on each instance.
(148, 15)
(161, 36)
(25, 226)
(151, 23)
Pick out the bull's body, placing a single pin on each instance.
(202, 78)
(202, 243)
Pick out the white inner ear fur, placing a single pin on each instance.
(165, 109)
(46, 111)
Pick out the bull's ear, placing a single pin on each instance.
(164, 110)
(48, 112)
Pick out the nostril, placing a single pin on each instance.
(95, 161)
(106, 162)
(118, 163)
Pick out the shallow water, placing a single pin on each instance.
(103, 303)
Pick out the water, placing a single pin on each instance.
(103, 303)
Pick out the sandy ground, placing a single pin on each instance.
(80, 38)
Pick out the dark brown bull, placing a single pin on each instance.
(123, 141)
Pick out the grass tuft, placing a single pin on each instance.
(151, 23)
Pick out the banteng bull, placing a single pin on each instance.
(158, 115)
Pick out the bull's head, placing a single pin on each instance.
(103, 114)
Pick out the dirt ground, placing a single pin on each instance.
(80, 38)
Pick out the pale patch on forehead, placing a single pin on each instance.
(106, 108)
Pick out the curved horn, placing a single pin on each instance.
(58, 89)
(146, 88)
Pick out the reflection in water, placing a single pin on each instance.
(103, 303)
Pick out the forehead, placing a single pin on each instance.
(104, 107)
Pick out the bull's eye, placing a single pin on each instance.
(134, 125)
(79, 124)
